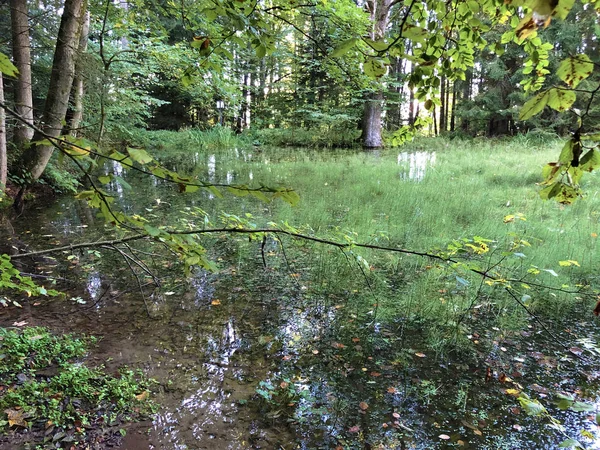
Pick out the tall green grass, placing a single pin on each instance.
(469, 191)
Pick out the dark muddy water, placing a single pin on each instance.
(259, 357)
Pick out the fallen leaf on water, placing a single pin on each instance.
(215, 302)
(478, 432)
(514, 392)
(15, 417)
(363, 405)
(444, 437)
(396, 415)
(338, 345)
(288, 357)
(576, 350)
(315, 352)
(375, 374)
(384, 425)
(391, 390)
(355, 339)
(354, 429)
(19, 324)
(461, 443)
(284, 384)
(517, 427)
(420, 355)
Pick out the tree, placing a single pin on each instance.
(36, 157)
(22, 57)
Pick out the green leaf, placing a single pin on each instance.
(139, 155)
(574, 69)
(104, 179)
(343, 48)
(590, 161)
(261, 51)
(415, 34)
(189, 188)
(561, 99)
(534, 106)
(551, 191)
(375, 68)
(569, 443)
(566, 154)
(152, 231)
(6, 67)
(581, 407)
(563, 8)
(531, 407)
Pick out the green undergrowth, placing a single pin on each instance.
(323, 137)
(47, 392)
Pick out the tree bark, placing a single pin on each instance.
(36, 157)
(78, 87)
(3, 154)
(21, 47)
(371, 123)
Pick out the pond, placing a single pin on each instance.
(286, 347)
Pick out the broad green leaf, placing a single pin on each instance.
(590, 161)
(581, 407)
(375, 68)
(189, 188)
(152, 231)
(534, 106)
(415, 34)
(214, 191)
(343, 48)
(261, 51)
(7, 67)
(377, 45)
(566, 154)
(563, 8)
(574, 69)
(210, 14)
(139, 155)
(551, 191)
(104, 179)
(569, 443)
(561, 99)
(531, 407)
(122, 182)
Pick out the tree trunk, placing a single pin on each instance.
(36, 157)
(3, 154)
(371, 125)
(443, 105)
(379, 11)
(78, 88)
(452, 115)
(22, 57)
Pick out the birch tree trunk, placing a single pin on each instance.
(3, 154)
(21, 47)
(36, 157)
(78, 87)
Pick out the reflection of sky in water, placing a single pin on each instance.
(209, 405)
(212, 167)
(229, 177)
(415, 164)
(202, 287)
(94, 283)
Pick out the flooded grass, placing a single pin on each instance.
(319, 348)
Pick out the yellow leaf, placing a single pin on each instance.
(215, 302)
(15, 417)
(514, 392)
(143, 396)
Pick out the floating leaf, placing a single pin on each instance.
(444, 437)
(363, 405)
(215, 302)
